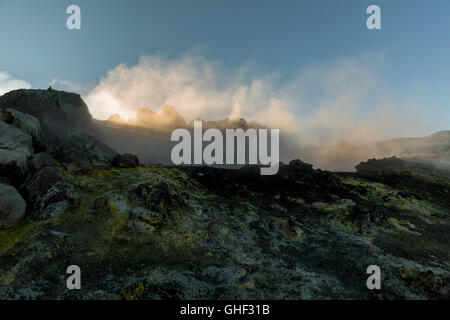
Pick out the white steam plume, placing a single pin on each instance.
(323, 104)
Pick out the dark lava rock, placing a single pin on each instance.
(390, 164)
(42, 159)
(45, 187)
(85, 148)
(299, 164)
(249, 178)
(153, 194)
(125, 161)
(334, 179)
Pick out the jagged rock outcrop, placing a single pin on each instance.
(374, 165)
(167, 118)
(392, 164)
(38, 176)
(227, 123)
(65, 121)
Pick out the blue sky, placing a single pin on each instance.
(269, 37)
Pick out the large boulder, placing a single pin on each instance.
(65, 121)
(16, 147)
(12, 206)
(59, 112)
(27, 124)
(12, 138)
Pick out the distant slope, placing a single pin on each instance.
(433, 149)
